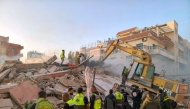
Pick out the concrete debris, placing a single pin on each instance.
(6, 104)
(22, 82)
(12, 74)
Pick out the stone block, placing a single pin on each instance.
(24, 92)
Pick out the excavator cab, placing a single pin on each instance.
(141, 73)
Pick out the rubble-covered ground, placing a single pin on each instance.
(20, 83)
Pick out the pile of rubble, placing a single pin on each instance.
(20, 83)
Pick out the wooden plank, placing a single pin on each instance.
(3, 74)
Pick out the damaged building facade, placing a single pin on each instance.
(169, 51)
(9, 51)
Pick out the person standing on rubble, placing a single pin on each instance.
(81, 101)
(70, 57)
(70, 92)
(119, 98)
(110, 101)
(126, 104)
(69, 103)
(73, 58)
(124, 75)
(136, 97)
(62, 56)
(95, 99)
(42, 102)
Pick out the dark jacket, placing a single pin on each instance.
(136, 95)
(160, 100)
(92, 99)
(110, 102)
(125, 94)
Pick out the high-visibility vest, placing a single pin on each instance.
(125, 71)
(166, 98)
(70, 102)
(118, 96)
(62, 55)
(79, 100)
(97, 102)
(43, 103)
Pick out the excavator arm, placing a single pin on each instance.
(145, 57)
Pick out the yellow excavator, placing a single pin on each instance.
(141, 73)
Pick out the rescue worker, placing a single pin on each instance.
(144, 93)
(70, 92)
(160, 98)
(149, 103)
(110, 101)
(73, 57)
(42, 102)
(69, 103)
(136, 97)
(119, 98)
(124, 75)
(70, 57)
(62, 56)
(166, 101)
(126, 104)
(81, 101)
(95, 99)
(78, 58)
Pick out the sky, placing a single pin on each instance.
(48, 26)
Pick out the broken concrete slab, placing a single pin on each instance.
(2, 67)
(56, 91)
(6, 87)
(3, 74)
(24, 92)
(6, 104)
(29, 66)
(68, 82)
(51, 60)
(13, 62)
(13, 72)
(53, 69)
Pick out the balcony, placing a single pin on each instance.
(183, 61)
(180, 46)
(157, 50)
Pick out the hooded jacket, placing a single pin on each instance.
(150, 103)
(110, 102)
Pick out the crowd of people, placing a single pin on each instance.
(118, 100)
